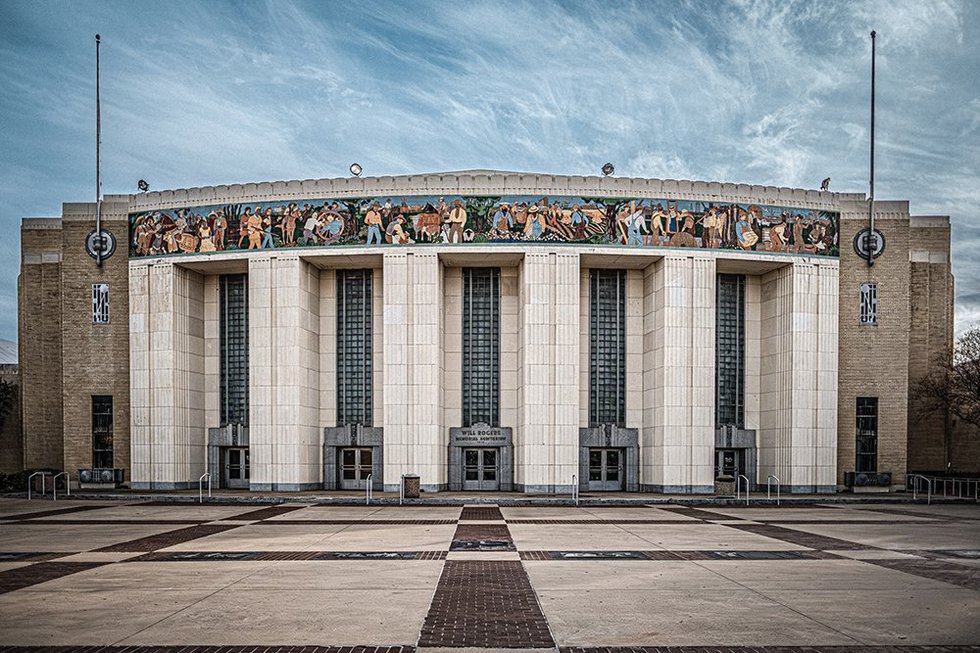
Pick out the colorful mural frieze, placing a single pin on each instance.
(393, 221)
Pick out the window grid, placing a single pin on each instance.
(354, 347)
(234, 348)
(869, 303)
(607, 347)
(730, 351)
(866, 449)
(102, 431)
(481, 346)
(100, 303)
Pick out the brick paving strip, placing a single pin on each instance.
(112, 522)
(207, 649)
(611, 522)
(801, 538)
(773, 556)
(231, 556)
(355, 522)
(941, 570)
(41, 572)
(49, 513)
(487, 604)
(695, 513)
(485, 513)
(170, 538)
(265, 513)
(863, 648)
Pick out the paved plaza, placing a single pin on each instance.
(427, 577)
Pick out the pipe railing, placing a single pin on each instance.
(575, 488)
(769, 487)
(54, 484)
(30, 478)
(200, 487)
(915, 487)
(738, 482)
(369, 489)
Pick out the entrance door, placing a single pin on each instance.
(729, 462)
(236, 467)
(480, 469)
(605, 469)
(355, 467)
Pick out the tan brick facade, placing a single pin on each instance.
(874, 358)
(96, 360)
(39, 348)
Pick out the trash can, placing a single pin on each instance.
(410, 486)
(725, 486)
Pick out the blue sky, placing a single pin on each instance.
(199, 93)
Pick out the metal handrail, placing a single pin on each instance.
(369, 489)
(915, 487)
(200, 487)
(738, 482)
(54, 484)
(768, 486)
(575, 488)
(29, 478)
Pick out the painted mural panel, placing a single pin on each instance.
(393, 221)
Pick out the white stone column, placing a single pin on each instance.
(284, 379)
(415, 440)
(546, 440)
(677, 440)
(798, 408)
(328, 348)
(167, 392)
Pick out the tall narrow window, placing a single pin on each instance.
(866, 450)
(102, 431)
(234, 349)
(354, 350)
(869, 303)
(481, 346)
(730, 351)
(607, 347)
(100, 303)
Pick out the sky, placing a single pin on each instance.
(758, 92)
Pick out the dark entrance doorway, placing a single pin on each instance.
(236, 467)
(481, 469)
(356, 464)
(729, 462)
(605, 469)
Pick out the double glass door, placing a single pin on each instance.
(729, 462)
(355, 467)
(605, 469)
(236, 467)
(480, 469)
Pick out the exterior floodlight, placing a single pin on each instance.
(356, 169)
(143, 185)
(825, 184)
(608, 169)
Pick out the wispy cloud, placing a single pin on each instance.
(756, 91)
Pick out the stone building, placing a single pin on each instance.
(486, 331)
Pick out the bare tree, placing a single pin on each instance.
(955, 386)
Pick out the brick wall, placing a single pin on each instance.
(39, 342)
(873, 360)
(96, 356)
(930, 338)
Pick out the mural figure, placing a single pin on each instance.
(386, 221)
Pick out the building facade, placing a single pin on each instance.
(487, 331)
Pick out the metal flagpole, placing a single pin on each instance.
(872, 236)
(98, 156)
